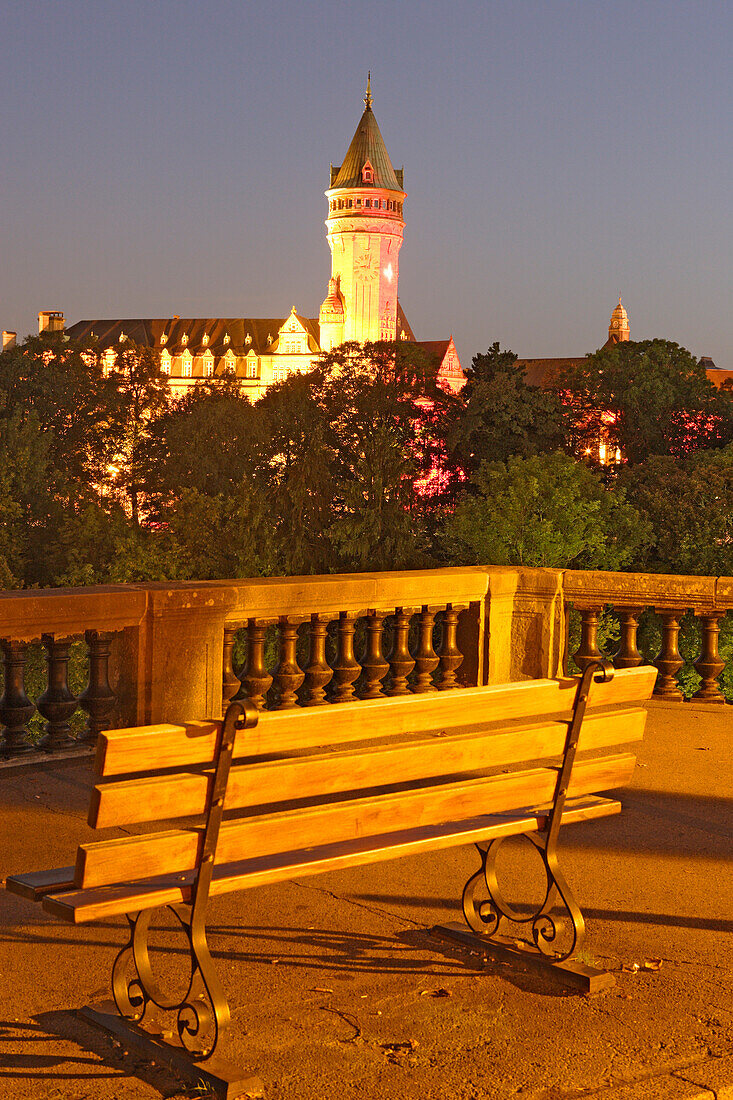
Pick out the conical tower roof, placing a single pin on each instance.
(367, 144)
(619, 314)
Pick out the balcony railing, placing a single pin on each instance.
(630, 599)
(170, 652)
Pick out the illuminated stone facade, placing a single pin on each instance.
(364, 226)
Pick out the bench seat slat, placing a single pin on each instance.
(82, 906)
(160, 798)
(102, 863)
(33, 885)
(149, 748)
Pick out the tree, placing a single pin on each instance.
(547, 510)
(501, 415)
(295, 467)
(208, 440)
(646, 397)
(140, 394)
(688, 504)
(223, 537)
(61, 385)
(386, 422)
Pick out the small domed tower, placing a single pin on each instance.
(618, 330)
(331, 317)
(365, 229)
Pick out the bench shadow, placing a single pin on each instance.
(97, 1059)
(630, 916)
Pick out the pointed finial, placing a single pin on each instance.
(619, 299)
(368, 96)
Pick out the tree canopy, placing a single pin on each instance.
(648, 397)
(500, 415)
(362, 463)
(547, 510)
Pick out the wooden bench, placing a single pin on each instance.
(328, 787)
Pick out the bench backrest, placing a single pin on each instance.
(317, 775)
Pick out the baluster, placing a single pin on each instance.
(669, 660)
(16, 709)
(450, 655)
(230, 684)
(97, 699)
(709, 664)
(373, 664)
(588, 649)
(426, 659)
(288, 675)
(401, 663)
(346, 668)
(627, 654)
(57, 704)
(255, 679)
(318, 674)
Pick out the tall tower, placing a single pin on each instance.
(619, 330)
(364, 227)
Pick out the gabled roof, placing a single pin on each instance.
(148, 332)
(367, 144)
(403, 325)
(540, 372)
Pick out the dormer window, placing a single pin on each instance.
(206, 340)
(367, 173)
(123, 337)
(248, 339)
(227, 339)
(163, 339)
(184, 339)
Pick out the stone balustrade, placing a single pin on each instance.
(631, 596)
(166, 652)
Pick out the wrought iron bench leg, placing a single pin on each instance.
(484, 916)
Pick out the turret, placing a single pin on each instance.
(331, 317)
(619, 330)
(365, 228)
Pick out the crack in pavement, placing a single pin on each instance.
(358, 904)
(712, 1092)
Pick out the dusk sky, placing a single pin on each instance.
(164, 158)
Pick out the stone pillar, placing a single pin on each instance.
(525, 624)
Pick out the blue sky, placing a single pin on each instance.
(168, 157)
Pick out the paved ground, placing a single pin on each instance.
(337, 990)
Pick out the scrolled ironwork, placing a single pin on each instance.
(202, 1012)
(485, 915)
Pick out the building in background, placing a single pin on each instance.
(365, 227)
(540, 372)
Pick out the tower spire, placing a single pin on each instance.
(368, 96)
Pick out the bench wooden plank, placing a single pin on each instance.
(149, 748)
(105, 862)
(83, 906)
(182, 794)
(34, 885)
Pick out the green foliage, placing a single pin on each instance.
(223, 537)
(103, 477)
(543, 511)
(500, 415)
(381, 407)
(688, 505)
(649, 397)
